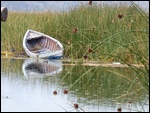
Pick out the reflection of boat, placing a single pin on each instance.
(39, 45)
(39, 68)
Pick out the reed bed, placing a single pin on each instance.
(91, 32)
(100, 33)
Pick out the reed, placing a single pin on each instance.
(101, 33)
(83, 28)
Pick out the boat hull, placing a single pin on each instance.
(39, 45)
(4, 14)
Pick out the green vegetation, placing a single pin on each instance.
(107, 31)
(101, 33)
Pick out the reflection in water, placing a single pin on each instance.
(97, 90)
(39, 68)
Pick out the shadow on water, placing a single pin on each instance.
(29, 85)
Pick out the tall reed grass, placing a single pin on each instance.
(101, 33)
(101, 29)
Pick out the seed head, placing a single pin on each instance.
(90, 50)
(90, 2)
(85, 57)
(120, 16)
(65, 92)
(119, 109)
(55, 92)
(76, 106)
(75, 30)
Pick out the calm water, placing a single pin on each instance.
(28, 85)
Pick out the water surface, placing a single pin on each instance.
(28, 86)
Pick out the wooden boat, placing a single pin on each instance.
(39, 45)
(40, 68)
(4, 14)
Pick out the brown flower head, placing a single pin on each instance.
(90, 50)
(76, 106)
(85, 57)
(119, 109)
(75, 30)
(65, 92)
(90, 2)
(120, 16)
(55, 92)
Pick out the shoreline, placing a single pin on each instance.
(68, 62)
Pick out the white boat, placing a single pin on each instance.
(39, 45)
(40, 68)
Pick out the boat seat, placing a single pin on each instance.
(45, 50)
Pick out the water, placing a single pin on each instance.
(28, 86)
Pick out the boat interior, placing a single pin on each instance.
(40, 44)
